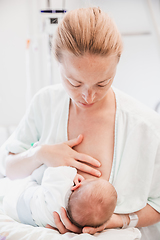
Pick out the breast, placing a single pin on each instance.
(98, 143)
(97, 128)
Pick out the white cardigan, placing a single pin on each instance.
(136, 164)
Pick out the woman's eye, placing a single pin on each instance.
(106, 83)
(75, 85)
(102, 85)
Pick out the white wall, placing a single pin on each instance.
(138, 72)
(13, 28)
(139, 69)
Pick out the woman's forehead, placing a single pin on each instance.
(91, 59)
(88, 65)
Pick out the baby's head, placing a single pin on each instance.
(92, 204)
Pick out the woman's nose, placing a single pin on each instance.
(88, 96)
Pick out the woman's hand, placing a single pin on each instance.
(114, 222)
(67, 226)
(50, 227)
(64, 155)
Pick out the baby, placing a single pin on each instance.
(87, 202)
(92, 203)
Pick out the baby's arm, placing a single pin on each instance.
(14, 203)
(60, 226)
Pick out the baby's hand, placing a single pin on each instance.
(77, 181)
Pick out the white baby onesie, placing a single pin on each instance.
(35, 205)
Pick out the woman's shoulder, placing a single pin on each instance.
(50, 94)
(49, 99)
(135, 111)
(56, 89)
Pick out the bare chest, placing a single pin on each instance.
(98, 139)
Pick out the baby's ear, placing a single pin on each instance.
(76, 186)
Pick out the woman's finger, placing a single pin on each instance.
(87, 159)
(50, 227)
(74, 142)
(85, 168)
(114, 222)
(70, 226)
(92, 230)
(58, 223)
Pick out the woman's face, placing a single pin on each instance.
(87, 79)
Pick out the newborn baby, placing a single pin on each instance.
(88, 202)
(92, 204)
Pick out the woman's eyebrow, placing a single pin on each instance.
(104, 80)
(81, 82)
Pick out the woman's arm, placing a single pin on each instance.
(146, 217)
(68, 227)
(23, 164)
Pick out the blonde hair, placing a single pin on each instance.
(92, 204)
(87, 30)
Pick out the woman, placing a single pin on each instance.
(118, 138)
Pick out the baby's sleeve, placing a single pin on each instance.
(51, 194)
(60, 178)
(57, 183)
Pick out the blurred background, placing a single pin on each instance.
(27, 65)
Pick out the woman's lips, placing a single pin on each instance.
(86, 104)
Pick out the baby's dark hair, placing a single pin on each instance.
(92, 204)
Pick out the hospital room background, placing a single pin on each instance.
(27, 64)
